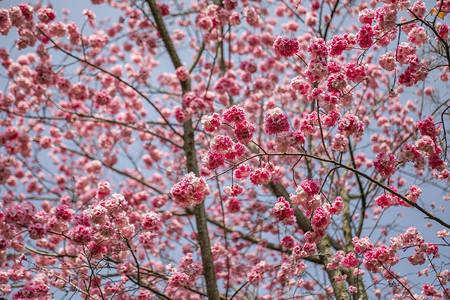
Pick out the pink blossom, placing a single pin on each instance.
(317, 48)
(366, 16)
(285, 47)
(5, 22)
(254, 277)
(251, 16)
(211, 122)
(283, 212)
(404, 51)
(46, 15)
(181, 114)
(181, 73)
(189, 191)
(387, 61)
(355, 73)
(299, 84)
(311, 19)
(146, 239)
(275, 121)
(338, 45)
(384, 164)
(244, 132)
(429, 290)
(178, 279)
(321, 219)
(64, 213)
(234, 114)
(364, 36)
(242, 171)
(287, 242)
(386, 17)
(336, 82)
(233, 205)
(427, 127)
(288, 141)
(340, 143)
(317, 71)
(307, 195)
(213, 160)
(362, 245)
(443, 233)
(97, 214)
(418, 36)
(419, 9)
(444, 31)
(36, 231)
(151, 221)
(260, 176)
(234, 190)
(350, 124)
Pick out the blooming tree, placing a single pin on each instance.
(225, 149)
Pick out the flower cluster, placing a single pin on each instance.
(181, 73)
(387, 61)
(376, 258)
(287, 242)
(242, 171)
(244, 132)
(181, 114)
(307, 249)
(350, 125)
(189, 191)
(256, 272)
(288, 141)
(388, 199)
(211, 122)
(285, 46)
(283, 212)
(178, 279)
(354, 72)
(364, 36)
(317, 71)
(299, 84)
(340, 143)
(428, 127)
(260, 176)
(348, 260)
(307, 195)
(338, 45)
(213, 160)
(275, 121)
(386, 17)
(418, 36)
(321, 219)
(309, 123)
(193, 102)
(336, 82)
(234, 190)
(151, 221)
(243, 129)
(233, 205)
(317, 48)
(46, 15)
(362, 245)
(384, 164)
(337, 206)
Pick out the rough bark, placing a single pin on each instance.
(191, 163)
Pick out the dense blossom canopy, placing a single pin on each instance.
(224, 149)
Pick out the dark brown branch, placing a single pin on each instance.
(191, 163)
